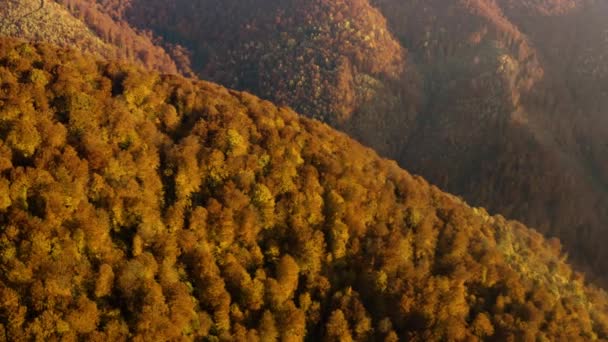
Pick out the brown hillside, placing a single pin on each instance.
(537, 151)
(139, 206)
(139, 45)
(79, 23)
(498, 101)
(333, 60)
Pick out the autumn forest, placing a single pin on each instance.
(350, 170)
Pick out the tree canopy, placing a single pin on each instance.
(148, 207)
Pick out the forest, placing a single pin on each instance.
(82, 24)
(141, 206)
(502, 102)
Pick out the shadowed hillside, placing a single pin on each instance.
(535, 148)
(140, 206)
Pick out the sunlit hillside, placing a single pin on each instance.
(137, 206)
(81, 24)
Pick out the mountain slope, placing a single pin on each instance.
(548, 149)
(539, 146)
(501, 102)
(47, 22)
(140, 206)
(89, 29)
(332, 60)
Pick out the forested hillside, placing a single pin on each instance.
(515, 117)
(80, 24)
(147, 207)
(48, 22)
(501, 102)
(332, 60)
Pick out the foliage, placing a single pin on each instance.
(313, 56)
(48, 23)
(134, 45)
(516, 119)
(173, 214)
(82, 24)
(498, 101)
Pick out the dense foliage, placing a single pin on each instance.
(80, 23)
(47, 22)
(516, 119)
(332, 60)
(500, 101)
(140, 46)
(150, 207)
